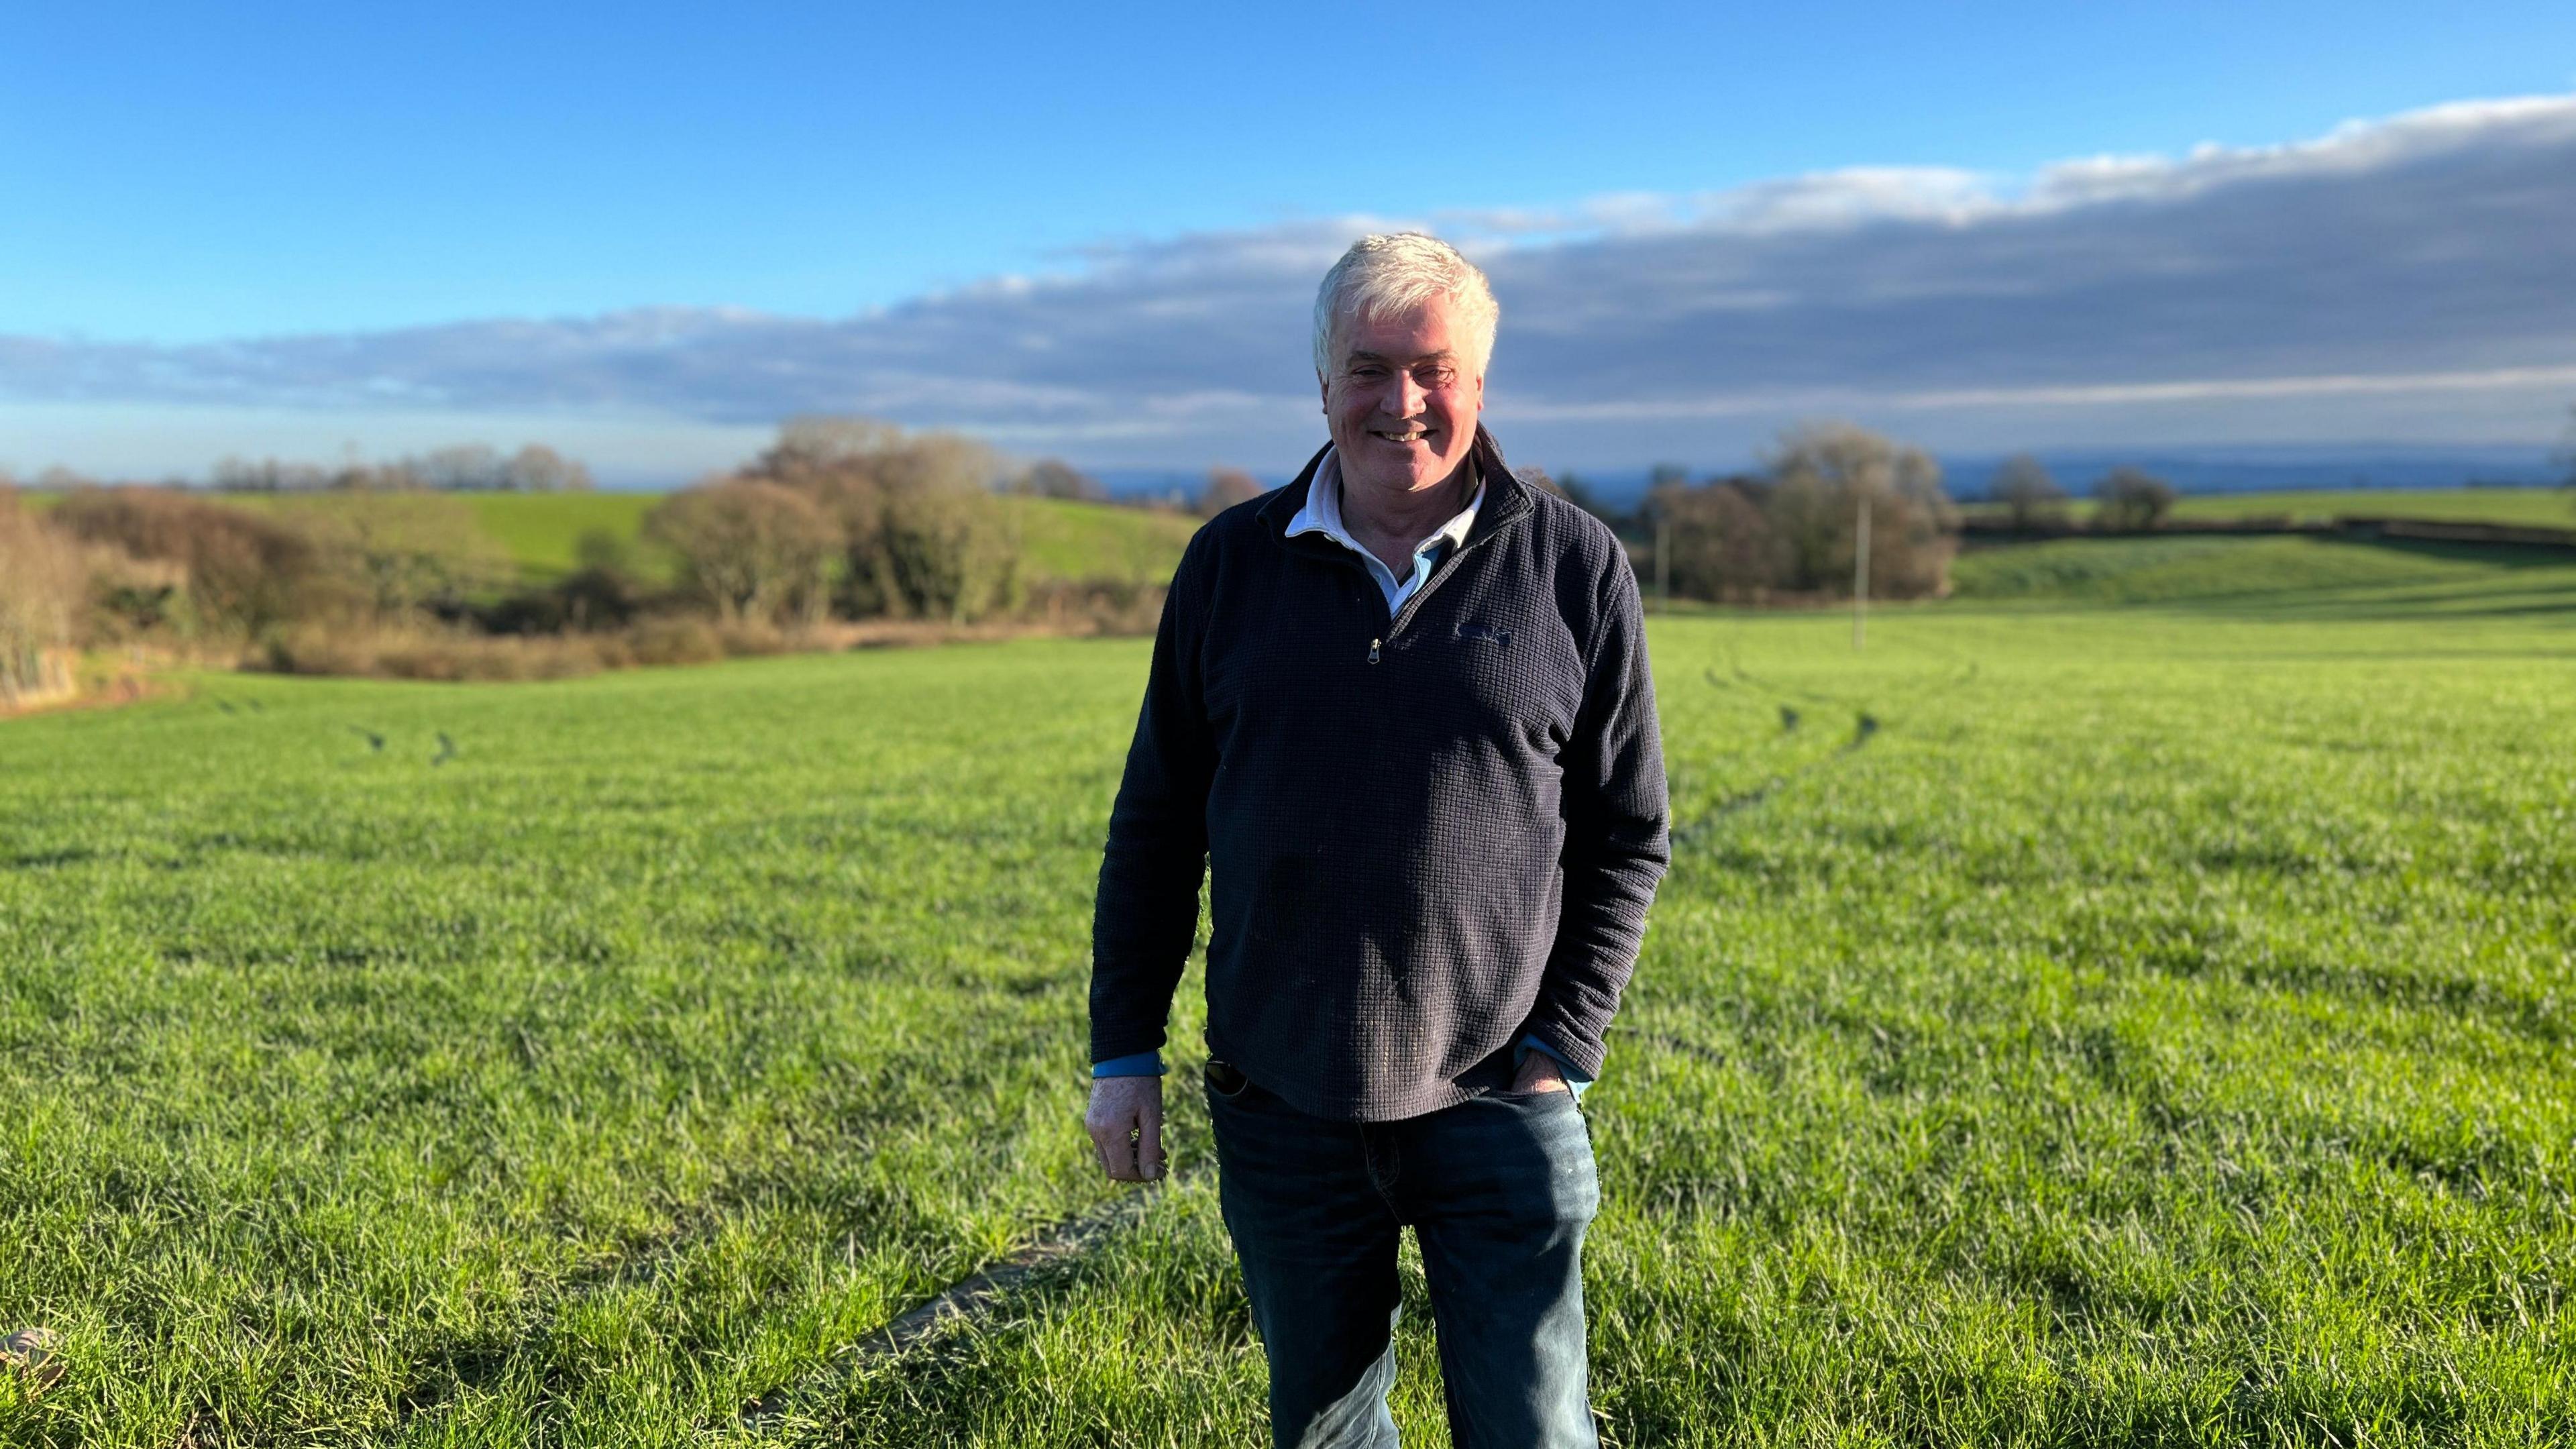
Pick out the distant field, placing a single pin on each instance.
(2546, 507)
(2538, 507)
(2064, 1024)
(2278, 577)
(543, 530)
(1061, 538)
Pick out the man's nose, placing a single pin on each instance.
(1403, 397)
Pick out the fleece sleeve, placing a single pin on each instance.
(1146, 914)
(1617, 835)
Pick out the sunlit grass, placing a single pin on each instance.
(1068, 539)
(2149, 1027)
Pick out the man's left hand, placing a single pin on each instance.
(1538, 1073)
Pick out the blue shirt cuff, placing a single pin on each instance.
(1573, 1077)
(1138, 1064)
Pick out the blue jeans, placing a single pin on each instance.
(1498, 1190)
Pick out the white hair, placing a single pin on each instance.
(1398, 272)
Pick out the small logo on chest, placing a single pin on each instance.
(1494, 634)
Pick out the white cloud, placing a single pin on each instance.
(2401, 279)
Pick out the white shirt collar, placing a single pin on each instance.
(1322, 513)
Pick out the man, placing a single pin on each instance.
(1402, 707)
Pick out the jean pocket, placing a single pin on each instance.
(1224, 1081)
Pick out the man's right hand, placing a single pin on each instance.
(1126, 1126)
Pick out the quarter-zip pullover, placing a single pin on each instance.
(1434, 828)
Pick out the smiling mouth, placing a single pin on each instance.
(1410, 435)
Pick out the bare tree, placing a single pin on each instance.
(246, 572)
(402, 551)
(268, 475)
(824, 441)
(1822, 474)
(2031, 497)
(537, 468)
(2131, 500)
(1226, 487)
(1054, 478)
(940, 546)
(1719, 546)
(753, 549)
(922, 530)
(465, 467)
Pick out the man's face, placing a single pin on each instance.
(1400, 402)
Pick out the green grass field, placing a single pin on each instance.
(538, 533)
(1064, 539)
(543, 531)
(2525, 507)
(1059, 538)
(2275, 578)
(2064, 1024)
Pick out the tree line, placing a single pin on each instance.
(179, 571)
(1792, 529)
(852, 518)
(468, 467)
(839, 520)
(386, 570)
(2125, 500)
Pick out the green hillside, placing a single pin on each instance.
(1062, 538)
(2280, 576)
(543, 530)
(2540, 507)
(2526, 507)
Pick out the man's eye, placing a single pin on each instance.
(1434, 376)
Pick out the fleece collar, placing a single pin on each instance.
(1506, 502)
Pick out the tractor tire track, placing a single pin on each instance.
(969, 1300)
(1865, 728)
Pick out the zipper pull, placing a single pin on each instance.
(1373, 651)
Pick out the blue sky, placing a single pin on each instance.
(179, 176)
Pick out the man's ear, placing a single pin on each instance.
(1324, 389)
